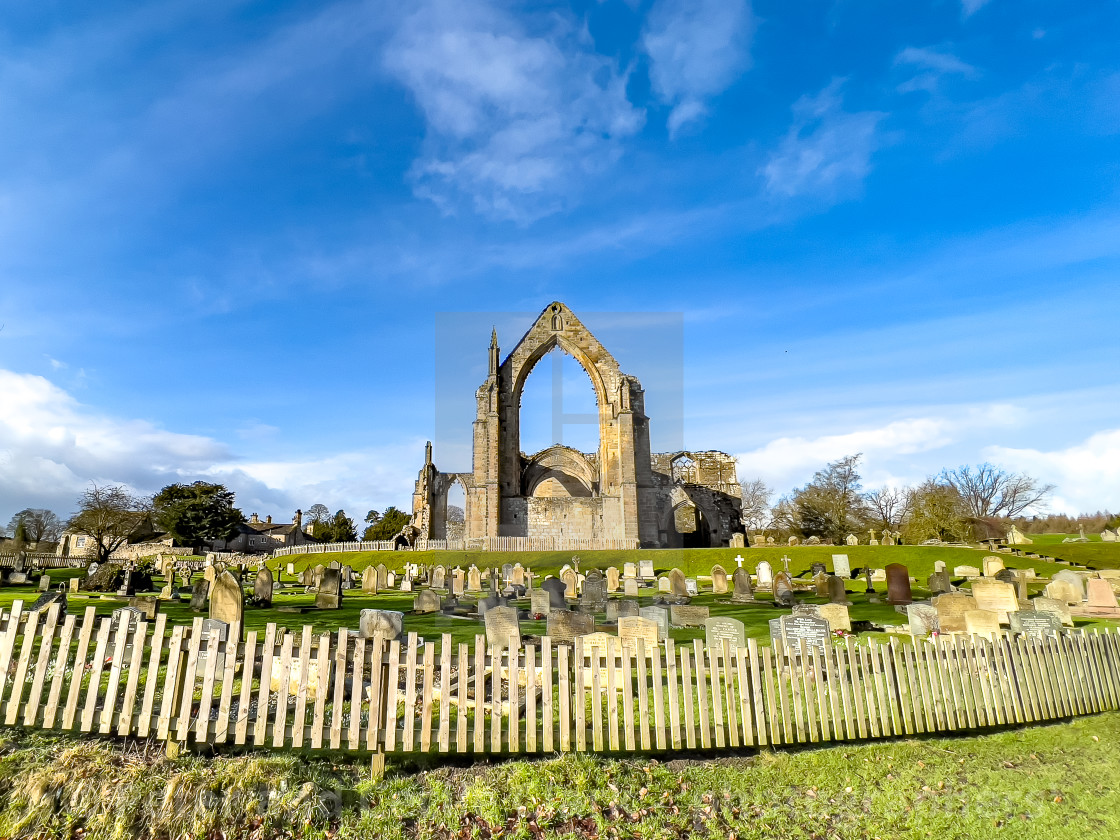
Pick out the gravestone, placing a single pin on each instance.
(815, 631)
(347, 577)
(677, 584)
(540, 602)
(1036, 624)
(836, 592)
(719, 628)
(991, 565)
(501, 624)
(621, 609)
(474, 579)
(1006, 575)
(783, 590)
(458, 582)
(307, 577)
(923, 619)
(563, 626)
(1053, 605)
(851, 539)
(329, 594)
(291, 568)
(938, 583)
(898, 584)
(438, 578)
(227, 603)
(659, 616)
(629, 570)
(995, 596)
(837, 617)
(631, 628)
(380, 577)
(719, 580)
(807, 609)
(507, 573)
(966, 571)
(44, 582)
(1100, 600)
(318, 579)
(820, 582)
(764, 576)
(517, 576)
(210, 626)
(388, 624)
(951, 609)
(557, 593)
(426, 601)
(982, 623)
(645, 569)
(262, 587)
(147, 604)
(74, 583)
(630, 587)
(741, 586)
(817, 568)
(568, 578)
(594, 595)
(200, 593)
(1064, 591)
(1075, 580)
(612, 579)
(690, 586)
(369, 580)
(664, 585)
(686, 615)
(841, 567)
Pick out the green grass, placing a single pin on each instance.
(1055, 781)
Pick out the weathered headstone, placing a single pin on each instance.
(426, 601)
(836, 592)
(1100, 600)
(147, 604)
(438, 578)
(1076, 580)
(966, 571)
(719, 628)
(262, 587)
(557, 593)
(645, 569)
(621, 608)
(719, 580)
(569, 578)
(687, 615)
(629, 570)
(44, 582)
(612, 579)
(1035, 623)
(517, 575)
(664, 584)
(540, 602)
(677, 583)
(369, 581)
(563, 626)
(501, 624)
(923, 619)
(200, 593)
(631, 628)
(820, 582)
(898, 584)
(815, 631)
(1053, 605)
(660, 617)
(783, 589)
(982, 623)
(691, 587)
(1064, 591)
(837, 617)
(938, 583)
(841, 567)
(741, 586)
(227, 603)
(329, 594)
(764, 576)
(951, 609)
(992, 564)
(388, 624)
(594, 596)
(75, 583)
(995, 596)
(630, 587)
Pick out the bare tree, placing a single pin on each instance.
(39, 524)
(991, 491)
(887, 505)
(108, 515)
(756, 504)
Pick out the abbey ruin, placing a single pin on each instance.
(622, 496)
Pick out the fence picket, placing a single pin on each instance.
(21, 668)
(443, 739)
(640, 657)
(547, 724)
(46, 648)
(322, 682)
(95, 674)
(248, 668)
(128, 703)
(50, 714)
(426, 698)
(299, 721)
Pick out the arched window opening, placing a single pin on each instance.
(456, 511)
(684, 469)
(558, 405)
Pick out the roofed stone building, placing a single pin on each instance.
(621, 493)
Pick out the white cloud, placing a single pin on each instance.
(827, 149)
(933, 64)
(970, 7)
(696, 48)
(516, 121)
(1087, 474)
(52, 447)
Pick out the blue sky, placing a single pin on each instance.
(228, 230)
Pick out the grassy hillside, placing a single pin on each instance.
(1055, 782)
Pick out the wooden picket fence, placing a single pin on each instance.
(339, 691)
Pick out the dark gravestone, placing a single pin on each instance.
(262, 587)
(199, 593)
(1036, 624)
(741, 586)
(817, 569)
(563, 626)
(938, 583)
(659, 615)
(329, 594)
(555, 589)
(867, 576)
(815, 631)
(898, 584)
(1006, 575)
(594, 597)
(783, 589)
(836, 591)
(147, 604)
(621, 609)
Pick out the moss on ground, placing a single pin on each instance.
(1052, 781)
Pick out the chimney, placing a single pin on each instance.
(297, 520)
(268, 519)
(253, 520)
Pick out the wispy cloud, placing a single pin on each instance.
(971, 7)
(827, 150)
(697, 48)
(931, 64)
(516, 120)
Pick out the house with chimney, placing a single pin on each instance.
(260, 536)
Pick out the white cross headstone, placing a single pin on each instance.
(739, 560)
